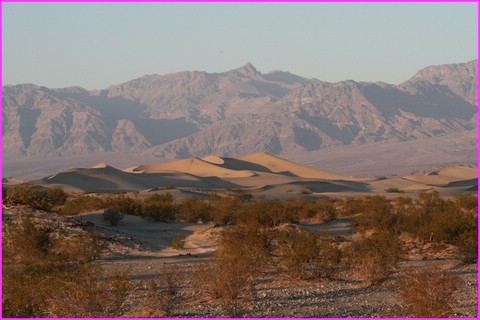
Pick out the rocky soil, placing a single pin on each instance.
(273, 294)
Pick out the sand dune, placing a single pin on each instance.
(194, 166)
(449, 176)
(260, 174)
(460, 172)
(105, 178)
(279, 165)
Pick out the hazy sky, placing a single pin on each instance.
(95, 45)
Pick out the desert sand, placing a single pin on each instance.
(260, 174)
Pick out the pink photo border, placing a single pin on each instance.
(240, 1)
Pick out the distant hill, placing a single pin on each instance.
(241, 111)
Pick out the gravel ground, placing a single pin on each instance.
(274, 295)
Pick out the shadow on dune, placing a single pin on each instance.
(236, 164)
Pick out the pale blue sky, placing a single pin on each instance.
(95, 45)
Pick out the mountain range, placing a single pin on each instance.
(237, 112)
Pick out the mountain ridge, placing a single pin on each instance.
(240, 111)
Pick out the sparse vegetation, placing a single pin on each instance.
(375, 258)
(112, 217)
(195, 210)
(178, 242)
(82, 204)
(259, 240)
(429, 293)
(160, 207)
(52, 275)
(394, 190)
(308, 256)
(44, 199)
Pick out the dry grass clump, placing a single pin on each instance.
(309, 256)
(243, 253)
(224, 210)
(429, 293)
(46, 274)
(44, 199)
(81, 204)
(157, 295)
(376, 257)
(112, 217)
(429, 218)
(178, 242)
(160, 207)
(226, 281)
(195, 210)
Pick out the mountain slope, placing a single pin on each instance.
(241, 111)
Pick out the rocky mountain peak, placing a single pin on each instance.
(241, 111)
(248, 70)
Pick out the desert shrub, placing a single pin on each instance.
(225, 280)
(468, 244)
(325, 209)
(257, 214)
(467, 201)
(178, 242)
(430, 202)
(309, 256)
(81, 204)
(224, 210)
(112, 217)
(155, 301)
(47, 274)
(242, 254)
(376, 257)
(159, 207)
(295, 209)
(26, 194)
(264, 214)
(394, 190)
(352, 206)
(238, 194)
(429, 293)
(378, 215)
(171, 278)
(24, 241)
(250, 248)
(123, 204)
(194, 210)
